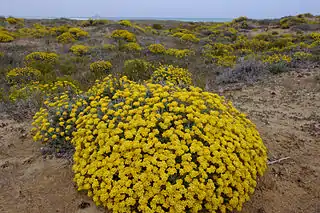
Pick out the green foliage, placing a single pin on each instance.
(131, 47)
(179, 53)
(93, 22)
(157, 26)
(240, 19)
(302, 56)
(109, 46)
(137, 69)
(23, 75)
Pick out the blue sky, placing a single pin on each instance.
(159, 8)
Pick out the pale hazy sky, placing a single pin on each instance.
(159, 8)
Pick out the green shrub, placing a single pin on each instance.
(5, 37)
(23, 75)
(137, 69)
(126, 23)
(132, 47)
(109, 46)
(14, 21)
(79, 49)
(123, 34)
(66, 37)
(157, 26)
(179, 53)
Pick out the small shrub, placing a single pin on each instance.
(137, 69)
(225, 61)
(240, 19)
(78, 33)
(157, 26)
(109, 46)
(276, 58)
(132, 47)
(4, 37)
(93, 22)
(79, 49)
(126, 23)
(179, 53)
(123, 34)
(156, 48)
(173, 75)
(23, 75)
(186, 37)
(301, 56)
(66, 37)
(278, 67)
(43, 57)
(14, 21)
(100, 66)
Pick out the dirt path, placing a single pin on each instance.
(285, 108)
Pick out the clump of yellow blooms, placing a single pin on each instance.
(302, 56)
(186, 37)
(225, 61)
(277, 58)
(78, 33)
(157, 48)
(66, 37)
(5, 37)
(23, 75)
(79, 49)
(13, 21)
(100, 66)
(154, 148)
(132, 47)
(123, 34)
(179, 53)
(172, 75)
(126, 23)
(43, 57)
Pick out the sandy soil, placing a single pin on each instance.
(286, 109)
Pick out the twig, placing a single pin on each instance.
(277, 161)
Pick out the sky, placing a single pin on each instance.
(158, 8)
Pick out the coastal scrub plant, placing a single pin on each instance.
(137, 69)
(131, 47)
(154, 148)
(100, 66)
(157, 48)
(178, 53)
(126, 23)
(79, 49)
(78, 33)
(123, 34)
(66, 37)
(23, 75)
(5, 36)
(169, 74)
(41, 57)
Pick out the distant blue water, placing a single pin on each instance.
(140, 18)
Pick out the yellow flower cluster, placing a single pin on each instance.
(123, 34)
(79, 49)
(153, 148)
(43, 57)
(12, 20)
(157, 48)
(172, 75)
(225, 61)
(100, 66)
(126, 23)
(66, 37)
(78, 33)
(23, 75)
(132, 47)
(302, 56)
(186, 37)
(5, 37)
(93, 22)
(179, 53)
(277, 58)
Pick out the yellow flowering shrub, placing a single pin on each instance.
(100, 66)
(13, 21)
(302, 56)
(79, 49)
(123, 34)
(186, 37)
(126, 23)
(78, 33)
(172, 75)
(153, 148)
(137, 69)
(42, 57)
(179, 53)
(58, 30)
(225, 61)
(132, 47)
(5, 37)
(217, 49)
(93, 22)
(23, 75)
(66, 37)
(315, 36)
(157, 48)
(277, 58)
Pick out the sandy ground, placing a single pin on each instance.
(286, 109)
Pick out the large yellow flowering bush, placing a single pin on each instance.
(171, 74)
(157, 48)
(13, 20)
(126, 23)
(23, 75)
(66, 37)
(100, 66)
(178, 53)
(5, 37)
(186, 37)
(42, 57)
(78, 33)
(123, 34)
(132, 47)
(277, 58)
(79, 49)
(153, 148)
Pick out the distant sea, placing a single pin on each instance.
(141, 18)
